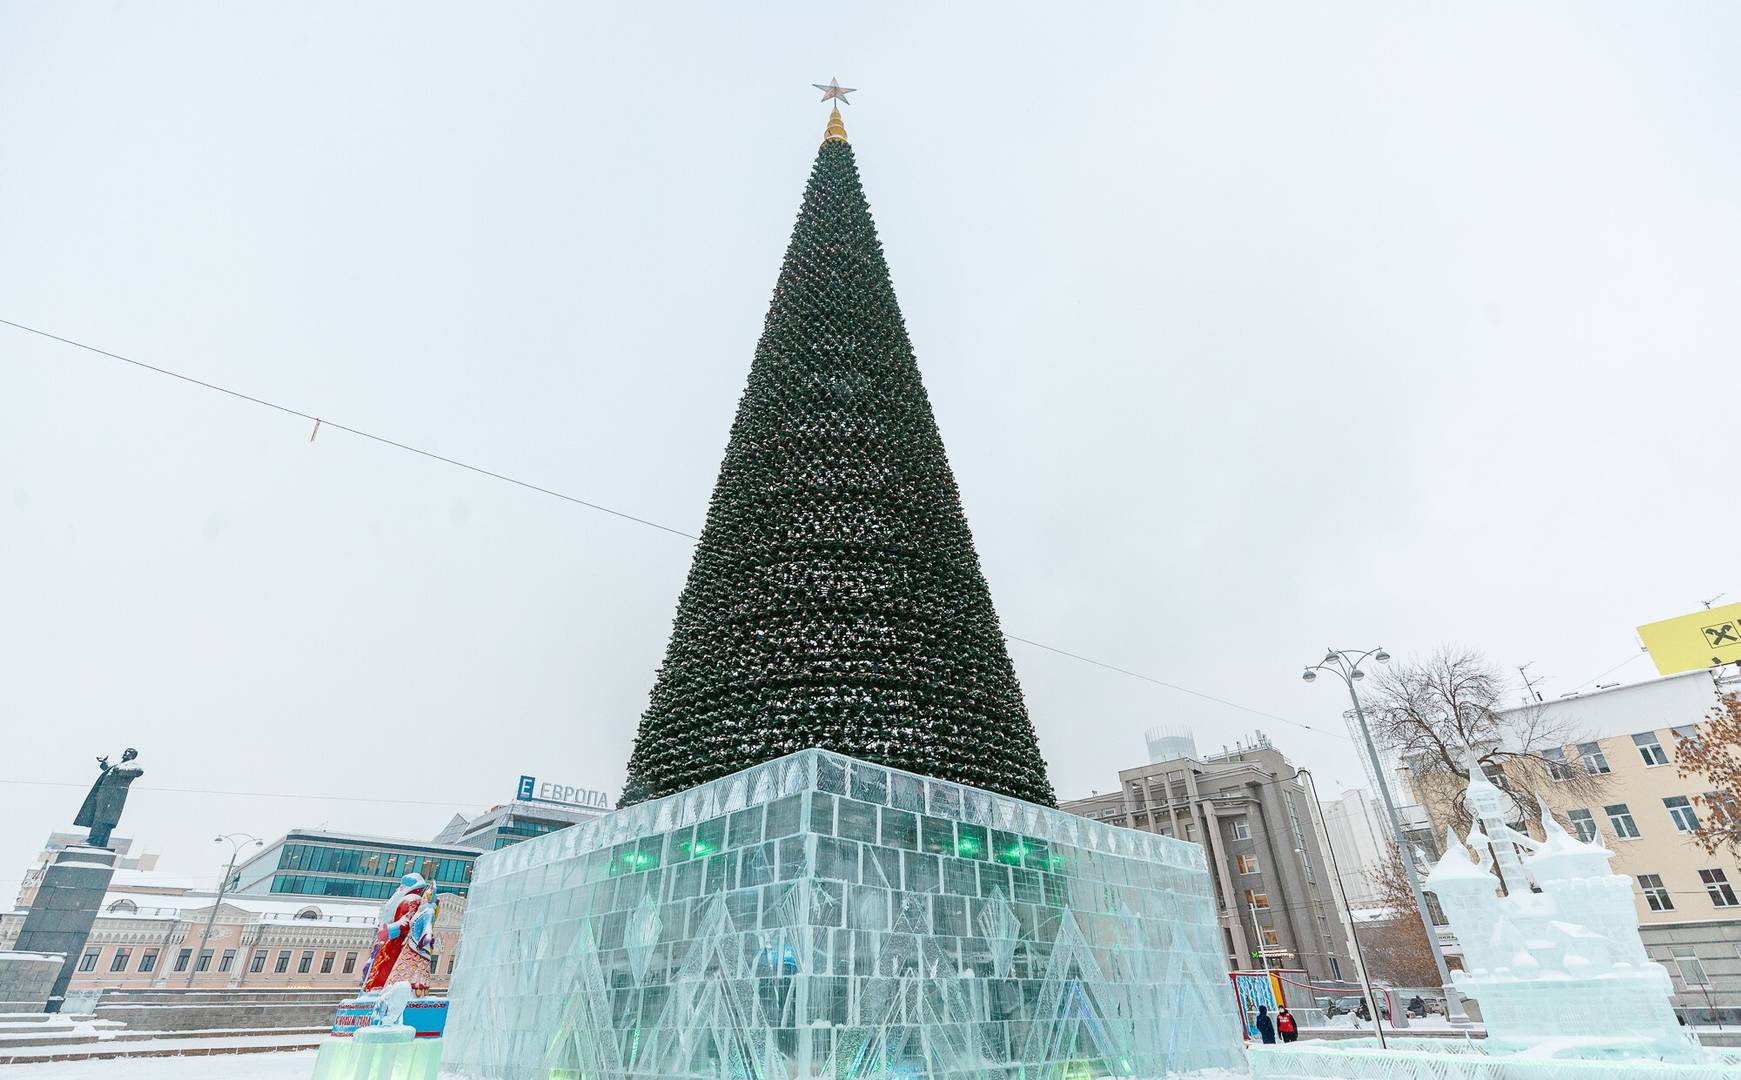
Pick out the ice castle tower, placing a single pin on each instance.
(1556, 963)
(838, 855)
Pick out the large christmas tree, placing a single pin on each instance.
(835, 599)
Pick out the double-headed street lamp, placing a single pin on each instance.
(1346, 666)
(237, 842)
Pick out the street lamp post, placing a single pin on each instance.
(1347, 910)
(237, 842)
(1346, 666)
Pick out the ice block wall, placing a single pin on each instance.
(820, 916)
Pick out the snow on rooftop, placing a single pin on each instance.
(124, 905)
(153, 879)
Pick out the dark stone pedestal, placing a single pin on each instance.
(65, 908)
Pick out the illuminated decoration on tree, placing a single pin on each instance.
(835, 599)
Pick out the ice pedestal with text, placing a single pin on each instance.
(819, 916)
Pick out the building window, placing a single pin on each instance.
(1654, 893)
(1583, 824)
(1557, 767)
(452, 959)
(1692, 971)
(119, 963)
(205, 961)
(1717, 884)
(1689, 732)
(1241, 830)
(1335, 969)
(1649, 749)
(283, 963)
(227, 961)
(326, 963)
(1620, 820)
(1269, 935)
(1682, 811)
(258, 963)
(307, 962)
(147, 961)
(1256, 899)
(1591, 755)
(182, 958)
(1248, 864)
(350, 962)
(88, 962)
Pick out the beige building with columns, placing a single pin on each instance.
(1688, 901)
(1272, 883)
(147, 938)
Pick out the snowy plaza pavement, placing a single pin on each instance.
(288, 1065)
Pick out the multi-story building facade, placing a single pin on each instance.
(1351, 825)
(500, 826)
(315, 862)
(156, 937)
(1641, 809)
(300, 912)
(1252, 817)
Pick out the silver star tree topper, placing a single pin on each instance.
(834, 91)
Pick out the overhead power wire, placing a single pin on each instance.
(1172, 686)
(1610, 671)
(323, 422)
(448, 803)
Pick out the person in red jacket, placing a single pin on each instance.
(1285, 1026)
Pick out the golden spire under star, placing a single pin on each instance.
(836, 126)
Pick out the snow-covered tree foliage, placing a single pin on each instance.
(835, 599)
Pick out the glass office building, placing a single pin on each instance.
(508, 824)
(313, 862)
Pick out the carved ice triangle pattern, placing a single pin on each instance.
(819, 917)
(999, 926)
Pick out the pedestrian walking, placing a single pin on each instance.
(1266, 1027)
(1285, 1026)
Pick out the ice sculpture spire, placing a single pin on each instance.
(835, 599)
(1564, 964)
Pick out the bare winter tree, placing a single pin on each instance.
(1448, 711)
(1396, 948)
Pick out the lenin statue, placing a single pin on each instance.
(102, 809)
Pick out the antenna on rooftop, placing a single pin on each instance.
(1530, 692)
(1713, 600)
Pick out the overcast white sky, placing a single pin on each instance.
(1250, 329)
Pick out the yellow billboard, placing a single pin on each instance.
(1702, 639)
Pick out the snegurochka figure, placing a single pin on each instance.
(101, 811)
(405, 942)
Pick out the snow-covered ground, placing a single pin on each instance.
(291, 1065)
(288, 1065)
(297, 1065)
